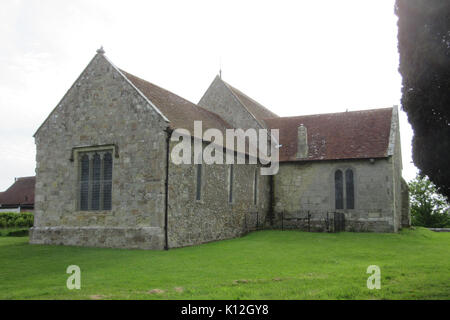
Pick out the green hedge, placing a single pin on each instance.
(14, 219)
(18, 233)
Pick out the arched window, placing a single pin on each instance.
(339, 189)
(349, 189)
(84, 182)
(347, 197)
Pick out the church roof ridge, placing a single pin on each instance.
(331, 113)
(361, 134)
(179, 111)
(239, 92)
(253, 107)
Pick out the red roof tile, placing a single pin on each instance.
(21, 192)
(180, 112)
(346, 135)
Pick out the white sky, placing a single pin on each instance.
(294, 57)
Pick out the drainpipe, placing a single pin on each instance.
(271, 200)
(166, 197)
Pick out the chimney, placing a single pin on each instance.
(302, 142)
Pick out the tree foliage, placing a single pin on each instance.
(428, 207)
(424, 47)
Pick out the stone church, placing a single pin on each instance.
(104, 175)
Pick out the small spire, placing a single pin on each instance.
(101, 50)
(220, 73)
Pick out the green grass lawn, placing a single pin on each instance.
(415, 264)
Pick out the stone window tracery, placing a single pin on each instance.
(95, 180)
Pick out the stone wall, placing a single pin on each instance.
(300, 187)
(192, 221)
(101, 108)
(397, 168)
(219, 99)
(406, 210)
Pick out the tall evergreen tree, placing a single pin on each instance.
(424, 47)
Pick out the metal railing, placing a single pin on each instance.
(252, 221)
(313, 221)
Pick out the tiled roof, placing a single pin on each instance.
(180, 112)
(21, 192)
(345, 135)
(255, 108)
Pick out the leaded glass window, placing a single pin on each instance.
(339, 189)
(84, 182)
(107, 181)
(95, 180)
(96, 176)
(344, 189)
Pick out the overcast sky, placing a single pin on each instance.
(294, 57)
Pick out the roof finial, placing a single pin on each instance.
(220, 67)
(101, 50)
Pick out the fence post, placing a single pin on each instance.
(282, 221)
(343, 222)
(328, 222)
(257, 220)
(309, 222)
(333, 224)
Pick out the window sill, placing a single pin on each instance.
(94, 212)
